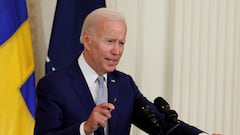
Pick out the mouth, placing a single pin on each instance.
(112, 61)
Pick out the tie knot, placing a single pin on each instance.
(100, 79)
(102, 95)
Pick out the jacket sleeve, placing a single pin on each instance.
(49, 115)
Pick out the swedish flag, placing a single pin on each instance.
(17, 81)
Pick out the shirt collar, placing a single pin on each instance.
(89, 74)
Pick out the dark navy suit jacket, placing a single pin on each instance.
(65, 101)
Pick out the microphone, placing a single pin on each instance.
(163, 106)
(149, 116)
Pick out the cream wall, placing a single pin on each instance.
(156, 56)
(41, 14)
(148, 69)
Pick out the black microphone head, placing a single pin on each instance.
(141, 105)
(148, 117)
(161, 104)
(172, 116)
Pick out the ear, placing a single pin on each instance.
(87, 40)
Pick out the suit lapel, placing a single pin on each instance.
(113, 89)
(113, 92)
(80, 86)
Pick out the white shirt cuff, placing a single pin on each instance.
(81, 128)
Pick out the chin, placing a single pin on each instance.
(111, 69)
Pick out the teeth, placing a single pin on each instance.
(112, 60)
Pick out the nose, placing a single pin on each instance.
(117, 49)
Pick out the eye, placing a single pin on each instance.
(121, 43)
(110, 40)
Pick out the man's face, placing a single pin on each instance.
(105, 48)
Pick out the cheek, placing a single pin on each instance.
(100, 54)
(95, 50)
(104, 50)
(122, 49)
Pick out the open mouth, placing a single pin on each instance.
(112, 61)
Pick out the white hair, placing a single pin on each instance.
(91, 21)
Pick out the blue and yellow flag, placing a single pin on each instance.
(17, 81)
